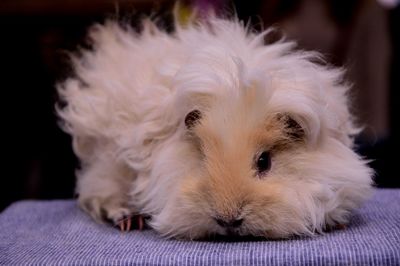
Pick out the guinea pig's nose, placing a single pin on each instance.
(233, 223)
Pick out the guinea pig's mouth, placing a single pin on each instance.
(236, 234)
(233, 236)
(231, 232)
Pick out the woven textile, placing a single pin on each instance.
(58, 233)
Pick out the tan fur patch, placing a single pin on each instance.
(230, 175)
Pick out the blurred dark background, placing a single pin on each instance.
(362, 35)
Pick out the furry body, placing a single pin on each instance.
(126, 112)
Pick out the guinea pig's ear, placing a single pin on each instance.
(192, 118)
(292, 128)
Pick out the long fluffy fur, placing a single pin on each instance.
(126, 108)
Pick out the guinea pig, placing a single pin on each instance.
(208, 131)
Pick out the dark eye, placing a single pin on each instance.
(263, 162)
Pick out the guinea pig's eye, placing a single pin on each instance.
(263, 162)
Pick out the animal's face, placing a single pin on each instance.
(244, 180)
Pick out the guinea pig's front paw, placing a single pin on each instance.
(111, 211)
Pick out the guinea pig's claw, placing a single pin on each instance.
(129, 222)
(125, 223)
(140, 222)
(336, 227)
(340, 226)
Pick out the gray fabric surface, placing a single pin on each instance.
(58, 233)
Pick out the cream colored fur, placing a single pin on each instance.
(126, 108)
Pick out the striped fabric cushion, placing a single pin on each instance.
(58, 233)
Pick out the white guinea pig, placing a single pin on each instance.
(210, 132)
